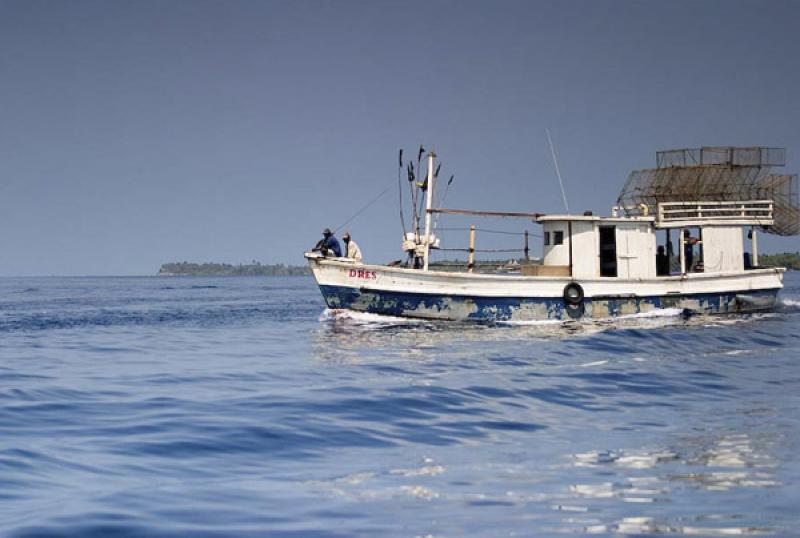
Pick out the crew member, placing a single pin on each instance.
(351, 247)
(662, 261)
(688, 249)
(329, 245)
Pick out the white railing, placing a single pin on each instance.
(745, 212)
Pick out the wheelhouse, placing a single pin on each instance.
(693, 237)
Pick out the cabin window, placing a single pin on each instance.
(558, 238)
(546, 238)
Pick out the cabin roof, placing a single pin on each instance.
(592, 218)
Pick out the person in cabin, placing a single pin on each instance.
(688, 249)
(329, 245)
(662, 262)
(351, 247)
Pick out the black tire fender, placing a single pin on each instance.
(573, 294)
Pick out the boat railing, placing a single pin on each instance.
(744, 212)
(472, 249)
(721, 156)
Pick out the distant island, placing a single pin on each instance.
(227, 269)
(258, 269)
(790, 260)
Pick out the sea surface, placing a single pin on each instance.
(239, 407)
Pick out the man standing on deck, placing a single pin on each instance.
(688, 249)
(351, 248)
(662, 262)
(329, 245)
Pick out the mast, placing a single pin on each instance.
(428, 207)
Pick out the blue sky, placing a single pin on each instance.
(136, 133)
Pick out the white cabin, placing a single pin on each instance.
(588, 246)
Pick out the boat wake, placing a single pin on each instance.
(659, 313)
(789, 304)
(659, 318)
(371, 320)
(532, 322)
(366, 318)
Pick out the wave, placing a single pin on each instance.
(532, 322)
(201, 316)
(28, 290)
(193, 287)
(789, 304)
(366, 318)
(584, 326)
(658, 313)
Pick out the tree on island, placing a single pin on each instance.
(225, 269)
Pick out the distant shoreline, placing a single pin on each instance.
(790, 260)
(226, 269)
(258, 269)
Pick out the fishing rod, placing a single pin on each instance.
(357, 213)
(443, 200)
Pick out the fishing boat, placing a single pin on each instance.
(711, 203)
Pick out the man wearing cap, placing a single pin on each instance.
(329, 245)
(351, 247)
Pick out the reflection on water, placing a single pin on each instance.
(649, 525)
(346, 336)
(649, 368)
(714, 464)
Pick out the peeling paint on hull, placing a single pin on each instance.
(466, 308)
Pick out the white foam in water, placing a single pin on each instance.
(364, 318)
(789, 303)
(532, 322)
(658, 313)
(595, 363)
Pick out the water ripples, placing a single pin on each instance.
(239, 407)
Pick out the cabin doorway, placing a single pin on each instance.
(608, 251)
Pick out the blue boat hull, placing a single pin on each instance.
(473, 308)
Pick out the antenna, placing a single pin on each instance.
(558, 171)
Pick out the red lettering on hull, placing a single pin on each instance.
(362, 274)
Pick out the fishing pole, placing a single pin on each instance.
(443, 200)
(345, 223)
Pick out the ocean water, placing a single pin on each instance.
(238, 407)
